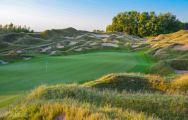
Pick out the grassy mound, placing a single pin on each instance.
(75, 101)
(165, 40)
(70, 32)
(136, 82)
(129, 82)
(10, 37)
(171, 52)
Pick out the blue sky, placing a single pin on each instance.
(81, 14)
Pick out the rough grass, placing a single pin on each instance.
(162, 68)
(179, 64)
(171, 49)
(87, 102)
(129, 82)
(180, 83)
(71, 109)
(166, 40)
(53, 101)
(137, 82)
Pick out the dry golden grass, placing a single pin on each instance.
(171, 52)
(164, 40)
(129, 82)
(69, 109)
(81, 102)
(180, 83)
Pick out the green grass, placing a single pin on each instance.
(23, 76)
(26, 75)
(7, 100)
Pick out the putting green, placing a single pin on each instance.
(25, 75)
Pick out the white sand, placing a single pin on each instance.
(46, 49)
(73, 43)
(59, 46)
(110, 45)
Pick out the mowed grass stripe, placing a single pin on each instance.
(7, 100)
(25, 75)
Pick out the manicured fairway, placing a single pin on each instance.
(8, 99)
(25, 75)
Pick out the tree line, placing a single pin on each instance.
(145, 23)
(14, 28)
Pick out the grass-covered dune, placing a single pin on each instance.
(170, 50)
(77, 102)
(164, 40)
(130, 82)
(137, 82)
(120, 94)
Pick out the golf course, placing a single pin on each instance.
(93, 60)
(23, 76)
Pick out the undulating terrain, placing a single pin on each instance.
(93, 76)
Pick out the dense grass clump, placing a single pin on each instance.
(77, 102)
(170, 107)
(129, 82)
(180, 83)
(70, 109)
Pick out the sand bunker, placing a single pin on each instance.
(110, 45)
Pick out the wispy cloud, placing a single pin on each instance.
(81, 14)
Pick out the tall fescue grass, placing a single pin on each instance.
(164, 106)
(71, 109)
(180, 83)
(141, 83)
(90, 102)
(130, 82)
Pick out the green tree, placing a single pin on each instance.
(145, 23)
(13, 28)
